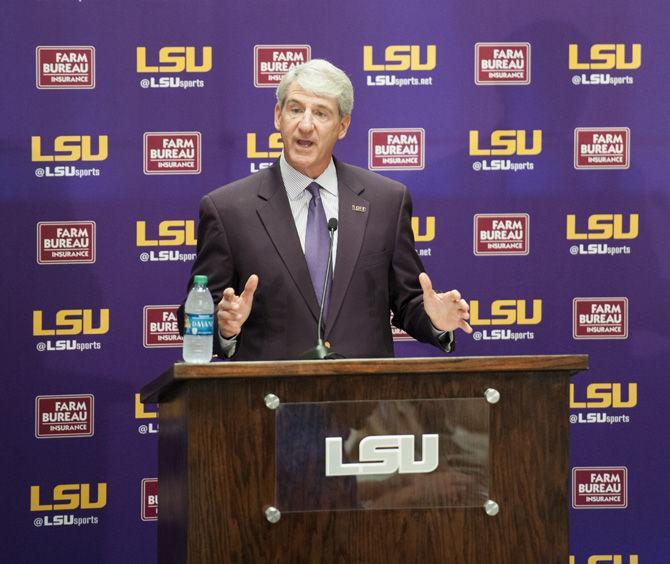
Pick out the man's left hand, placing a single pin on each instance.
(447, 311)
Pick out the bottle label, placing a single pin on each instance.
(199, 324)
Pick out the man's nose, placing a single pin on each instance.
(307, 121)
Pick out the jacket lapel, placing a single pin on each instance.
(275, 214)
(353, 213)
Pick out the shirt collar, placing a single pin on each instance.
(295, 182)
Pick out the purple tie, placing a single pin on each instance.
(317, 243)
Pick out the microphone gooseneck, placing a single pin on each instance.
(320, 351)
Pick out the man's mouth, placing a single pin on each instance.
(305, 143)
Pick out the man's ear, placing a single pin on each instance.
(344, 126)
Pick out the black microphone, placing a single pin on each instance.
(320, 352)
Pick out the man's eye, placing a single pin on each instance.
(294, 111)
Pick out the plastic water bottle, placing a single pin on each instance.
(198, 323)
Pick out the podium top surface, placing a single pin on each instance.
(182, 372)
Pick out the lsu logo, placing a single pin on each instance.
(606, 56)
(401, 58)
(65, 67)
(428, 232)
(171, 233)
(140, 410)
(72, 322)
(601, 395)
(274, 147)
(176, 60)
(69, 496)
(507, 312)
(608, 559)
(69, 148)
(507, 142)
(603, 226)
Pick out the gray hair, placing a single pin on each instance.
(323, 79)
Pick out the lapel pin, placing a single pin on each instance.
(360, 209)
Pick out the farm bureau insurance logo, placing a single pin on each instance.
(160, 326)
(502, 63)
(61, 242)
(604, 56)
(269, 151)
(400, 58)
(602, 227)
(272, 62)
(65, 68)
(505, 313)
(81, 323)
(501, 234)
(504, 143)
(600, 318)
(174, 60)
(64, 416)
(177, 152)
(149, 510)
(68, 501)
(68, 149)
(602, 396)
(600, 487)
(169, 233)
(141, 413)
(396, 149)
(602, 148)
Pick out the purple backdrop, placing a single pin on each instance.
(91, 295)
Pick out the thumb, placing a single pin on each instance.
(426, 284)
(250, 287)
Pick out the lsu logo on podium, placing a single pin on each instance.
(272, 62)
(65, 68)
(400, 58)
(175, 60)
(604, 57)
(268, 149)
(70, 148)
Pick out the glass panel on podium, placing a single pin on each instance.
(364, 455)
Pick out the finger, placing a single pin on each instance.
(465, 326)
(463, 305)
(225, 305)
(453, 295)
(426, 284)
(250, 287)
(228, 295)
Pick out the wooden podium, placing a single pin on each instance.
(217, 463)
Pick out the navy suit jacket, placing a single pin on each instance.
(246, 228)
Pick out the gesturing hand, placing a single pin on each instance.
(233, 311)
(447, 310)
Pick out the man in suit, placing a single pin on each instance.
(263, 243)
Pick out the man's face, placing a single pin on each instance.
(310, 125)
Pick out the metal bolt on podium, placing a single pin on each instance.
(492, 395)
(272, 514)
(491, 508)
(271, 401)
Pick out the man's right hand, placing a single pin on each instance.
(233, 310)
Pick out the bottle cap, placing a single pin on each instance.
(200, 279)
